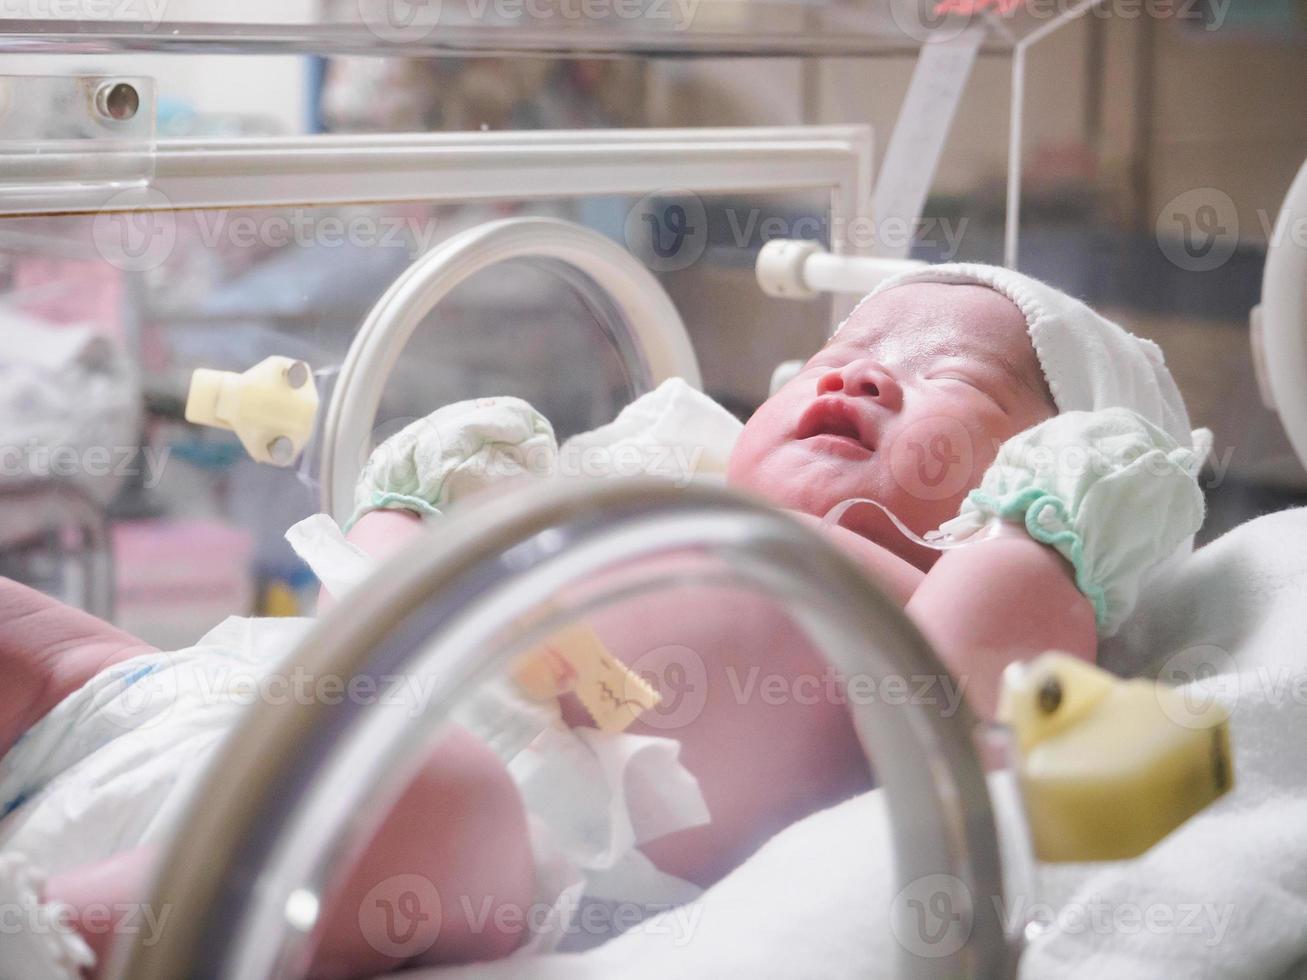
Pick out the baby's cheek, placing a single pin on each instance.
(761, 436)
(935, 460)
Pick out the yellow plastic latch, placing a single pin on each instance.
(576, 660)
(1108, 767)
(271, 407)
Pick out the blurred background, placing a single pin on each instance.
(1160, 139)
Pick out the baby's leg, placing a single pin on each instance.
(47, 651)
(460, 826)
(446, 878)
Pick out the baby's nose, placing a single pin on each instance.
(862, 378)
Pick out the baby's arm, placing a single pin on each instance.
(1008, 598)
(379, 533)
(47, 651)
(894, 575)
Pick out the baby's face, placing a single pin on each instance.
(907, 405)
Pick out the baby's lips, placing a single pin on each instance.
(833, 415)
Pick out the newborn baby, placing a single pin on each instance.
(952, 398)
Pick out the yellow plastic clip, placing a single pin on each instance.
(1108, 767)
(271, 407)
(575, 660)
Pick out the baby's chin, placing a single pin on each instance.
(818, 498)
(778, 485)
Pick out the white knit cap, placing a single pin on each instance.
(1088, 361)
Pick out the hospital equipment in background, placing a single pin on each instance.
(59, 527)
(247, 912)
(1279, 323)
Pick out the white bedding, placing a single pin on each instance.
(1224, 897)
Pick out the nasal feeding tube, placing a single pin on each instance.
(936, 540)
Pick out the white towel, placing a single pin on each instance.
(1233, 879)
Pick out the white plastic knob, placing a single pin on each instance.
(780, 267)
(271, 407)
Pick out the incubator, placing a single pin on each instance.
(242, 308)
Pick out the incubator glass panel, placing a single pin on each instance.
(642, 27)
(108, 316)
(565, 716)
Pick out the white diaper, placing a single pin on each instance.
(111, 766)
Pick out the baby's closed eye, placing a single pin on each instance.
(984, 386)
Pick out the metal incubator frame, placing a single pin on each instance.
(636, 314)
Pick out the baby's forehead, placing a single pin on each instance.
(926, 319)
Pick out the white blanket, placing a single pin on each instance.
(1225, 896)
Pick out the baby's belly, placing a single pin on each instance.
(760, 715)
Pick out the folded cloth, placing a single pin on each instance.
(675, 432)
(66, 393)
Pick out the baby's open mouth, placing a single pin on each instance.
(839, 418)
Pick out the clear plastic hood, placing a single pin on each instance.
(569, 28)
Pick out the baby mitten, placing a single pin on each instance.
(453, 452)
(1113, 493)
